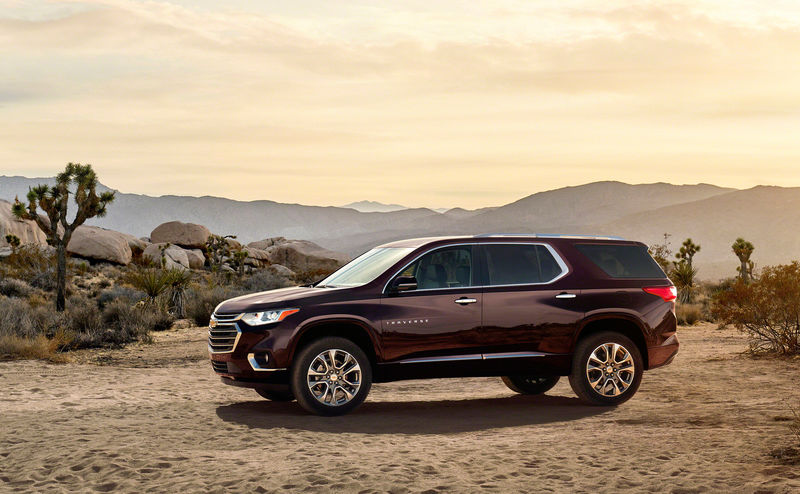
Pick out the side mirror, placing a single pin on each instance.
(403, 284)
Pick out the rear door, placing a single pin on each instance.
(529, 304)
(442, 317)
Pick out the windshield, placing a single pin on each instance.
(365, 267)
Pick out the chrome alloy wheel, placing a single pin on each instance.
(334, 377)
(610, 369)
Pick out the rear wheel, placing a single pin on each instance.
(331, 376)
(274, 395)
(606, 369)
(530, 385)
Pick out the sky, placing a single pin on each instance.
(436, 104)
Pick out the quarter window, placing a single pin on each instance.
(517, 264)
(622, 261)
(449, 267)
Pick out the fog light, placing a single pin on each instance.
(258, 363)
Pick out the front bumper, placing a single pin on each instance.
(250, 357)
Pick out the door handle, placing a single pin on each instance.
(566, 295)
(465, 301)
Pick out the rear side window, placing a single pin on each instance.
(622, 261)
(516, 264)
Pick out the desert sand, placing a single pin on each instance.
(155, 418)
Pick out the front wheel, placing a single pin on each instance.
(530, 385)
(606, 369)
(331, 376)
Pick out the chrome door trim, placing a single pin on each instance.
(473, 356)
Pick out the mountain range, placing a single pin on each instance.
(712, 216)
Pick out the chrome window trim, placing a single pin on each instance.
(559, 260)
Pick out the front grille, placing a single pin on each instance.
(222, 338)
(219, 366)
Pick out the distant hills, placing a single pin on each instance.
(374, 207)
(712, 216)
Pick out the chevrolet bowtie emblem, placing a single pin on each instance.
(212, 324)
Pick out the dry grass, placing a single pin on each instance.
(39, 347)
(689, 314)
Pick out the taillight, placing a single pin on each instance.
(668, 293)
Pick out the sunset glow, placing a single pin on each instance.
(421, 103)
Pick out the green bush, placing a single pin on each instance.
(767, 309)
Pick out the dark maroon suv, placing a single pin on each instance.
(529, 308)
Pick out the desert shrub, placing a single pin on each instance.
(32, 263)
(312, 276)
(40, 347)
(262, 280)
(133, 322)
(689, 314)
(201, 301)
(178, 282)
(152, 281)
(794, 424)
(12, 287)
(81, 325)
(767, 309)
(118, 292)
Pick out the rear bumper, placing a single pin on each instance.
(663, 354)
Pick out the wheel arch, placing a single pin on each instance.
(354, 330)
(619, 323)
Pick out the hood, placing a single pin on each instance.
(272, 299)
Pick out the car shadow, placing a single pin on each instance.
(415, 417)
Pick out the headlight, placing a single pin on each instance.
(267, 317)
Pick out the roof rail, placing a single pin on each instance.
(550, 235)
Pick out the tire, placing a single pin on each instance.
(313, 377)
(273, 395)
(589, 378)
(530, 385)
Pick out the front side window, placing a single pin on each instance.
(365, 267)
(517, 264)
(450, 267)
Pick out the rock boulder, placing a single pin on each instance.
(196, 258)
(99, 244)
(187, 235)
(304, 257)
(174, 256)
(267, 243)
(27, 231)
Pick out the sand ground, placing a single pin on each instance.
(154, 418)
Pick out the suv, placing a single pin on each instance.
(528, 308)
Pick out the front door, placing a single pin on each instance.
(528, 305)
(442, 317)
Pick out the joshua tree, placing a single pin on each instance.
(687, 251)
(743, 250)
(683, 275)
(53, 201)
(13, 241)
